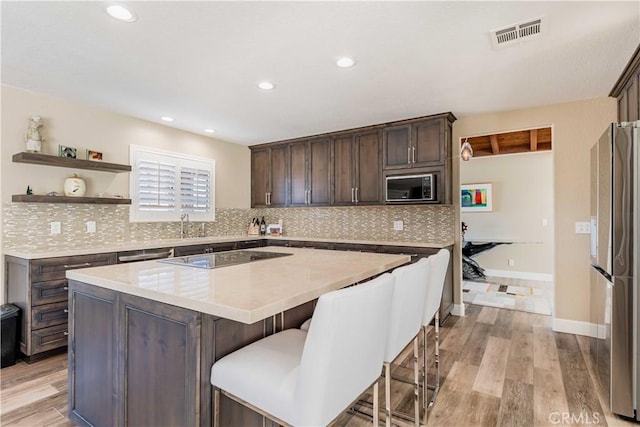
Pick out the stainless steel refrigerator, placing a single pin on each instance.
(615, 296)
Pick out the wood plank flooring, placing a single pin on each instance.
(498, 368)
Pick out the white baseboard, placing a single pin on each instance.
(458, 310)
(544, 277)
(578, 328)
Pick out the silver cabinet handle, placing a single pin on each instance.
(66, 288)
(409, 155)
(353, 199)
(66, 310)
(413, 154)
(66, 333)
(356, 194)
(84, 264)
(309, 197)
(266, 198)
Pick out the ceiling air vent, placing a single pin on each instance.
(516, 33)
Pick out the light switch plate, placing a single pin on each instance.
(55, 227)
(91, 226)
(583, 228)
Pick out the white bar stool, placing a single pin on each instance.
(407, 310)
(437, 274)
(309, 378)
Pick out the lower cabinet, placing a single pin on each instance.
(40, 289)
(133, 361)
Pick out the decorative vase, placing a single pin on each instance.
(74, 186)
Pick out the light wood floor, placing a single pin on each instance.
(498, 368)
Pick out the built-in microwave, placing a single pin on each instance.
(411, 188)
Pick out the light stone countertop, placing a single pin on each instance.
(169, 243)
(245, 293)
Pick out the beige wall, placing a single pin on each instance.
(522, 199)
(576, 127)
(84, 127)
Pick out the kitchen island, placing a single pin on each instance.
(143, 336)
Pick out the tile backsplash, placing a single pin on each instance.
(26, 226)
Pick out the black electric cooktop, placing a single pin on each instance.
(222, 259)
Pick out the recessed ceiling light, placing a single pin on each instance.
(166, 119)
(266, 85)
(345, 62)
(121, 13)
(210, 130)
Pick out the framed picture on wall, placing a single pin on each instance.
(476, 197)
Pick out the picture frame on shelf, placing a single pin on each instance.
(68, 152)
(93, 155)
(476, 197)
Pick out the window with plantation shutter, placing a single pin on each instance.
(156, 186)
(195, 189)
(165, 185)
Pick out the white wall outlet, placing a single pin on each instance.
(583, 228)
(91, 226)
(511, 262)
(398, 225)
(545, 222)
(55, 227)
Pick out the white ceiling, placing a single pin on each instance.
(199, 62)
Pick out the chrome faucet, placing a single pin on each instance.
(183, 218)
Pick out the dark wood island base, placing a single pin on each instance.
(134, 361)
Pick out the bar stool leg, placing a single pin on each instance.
(425, 401)
(376, 409)
(416, 383)
(387, 392)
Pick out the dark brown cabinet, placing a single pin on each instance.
(350, 167)
(356, 168)
(416, 145)
(152, 362)
(141, 370)
(39, 287)
(309, 177)
(627, 90)
(269, 167)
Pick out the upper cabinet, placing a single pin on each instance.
(310, 172)
(356, 168)
(416, 145)
(627, 90)
(350, 167)
(269, 176)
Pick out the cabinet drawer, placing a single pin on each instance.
(49, 292)
(49, 338)
(49, 315)
(55, 268)
(249, 244)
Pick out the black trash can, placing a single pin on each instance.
(9, 324)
